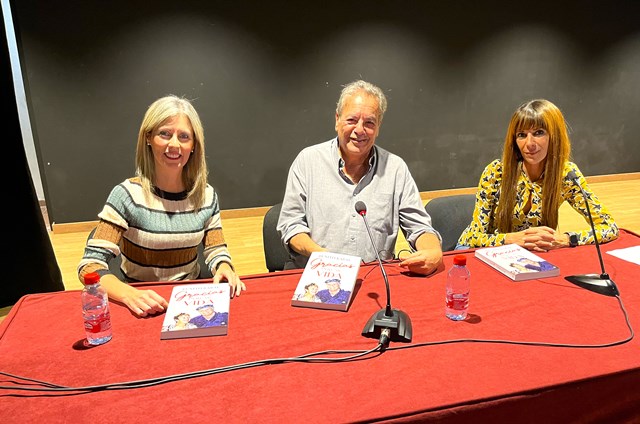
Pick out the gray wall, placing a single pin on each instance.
(265, 78)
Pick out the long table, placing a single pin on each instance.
(451, 372)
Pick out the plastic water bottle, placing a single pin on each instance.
(457, 290)
(95, 310)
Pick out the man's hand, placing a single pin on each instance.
(428, 255)
(423, 262)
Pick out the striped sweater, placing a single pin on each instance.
(157, 235)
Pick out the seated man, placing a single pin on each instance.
(326, 180)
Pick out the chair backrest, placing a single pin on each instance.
(450, 215)
(275, 255)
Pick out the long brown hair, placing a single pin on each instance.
(539, 113)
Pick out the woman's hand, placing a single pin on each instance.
(225, 272)
(144, 302)
(140, 302)
(539, 239)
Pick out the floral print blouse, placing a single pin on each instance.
(488, 196)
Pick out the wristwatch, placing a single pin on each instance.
(573, 239)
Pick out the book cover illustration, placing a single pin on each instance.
(327, 282)
(197, 310)
(516, 262)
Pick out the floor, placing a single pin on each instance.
(45, 215)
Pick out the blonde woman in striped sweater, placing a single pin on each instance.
(156, 220)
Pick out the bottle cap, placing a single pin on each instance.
(457, 260)
(91, 278)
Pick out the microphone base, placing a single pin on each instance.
(399, 324)
(597, 283)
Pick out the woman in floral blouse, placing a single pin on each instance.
(519, 196)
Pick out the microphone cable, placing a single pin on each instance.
(354, 355)
(526, 343)
(51, 388)
(514, 342)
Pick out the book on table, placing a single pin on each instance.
(516, 262)
(197, 310)
(327, 281)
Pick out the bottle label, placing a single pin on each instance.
(99, 324)
(458, 302)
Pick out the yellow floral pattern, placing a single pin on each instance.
(488, 196)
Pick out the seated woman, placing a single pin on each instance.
(157, 219)
(518, 197)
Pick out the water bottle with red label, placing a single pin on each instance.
(457, 291)
(95, 310)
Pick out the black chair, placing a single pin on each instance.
(275, 254)
(450, 215)
(114, 265)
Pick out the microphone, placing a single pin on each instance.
(599, 283)
(386, 324)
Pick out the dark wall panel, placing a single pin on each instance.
(265, 79)
(32, 263)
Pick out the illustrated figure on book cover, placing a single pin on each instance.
(199, 310)
(516, 262)
(333, 293)
(310, 293)
(181, 322)
(327, 281)
(532, 265)
(209, 317)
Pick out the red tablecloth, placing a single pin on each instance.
(427, 379)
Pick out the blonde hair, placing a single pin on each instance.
(539, 113)
(195, 172)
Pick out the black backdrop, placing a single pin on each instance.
(265, 77)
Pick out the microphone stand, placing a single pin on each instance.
(598, 283)
(386, 324)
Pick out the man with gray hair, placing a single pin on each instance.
(326, 180)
